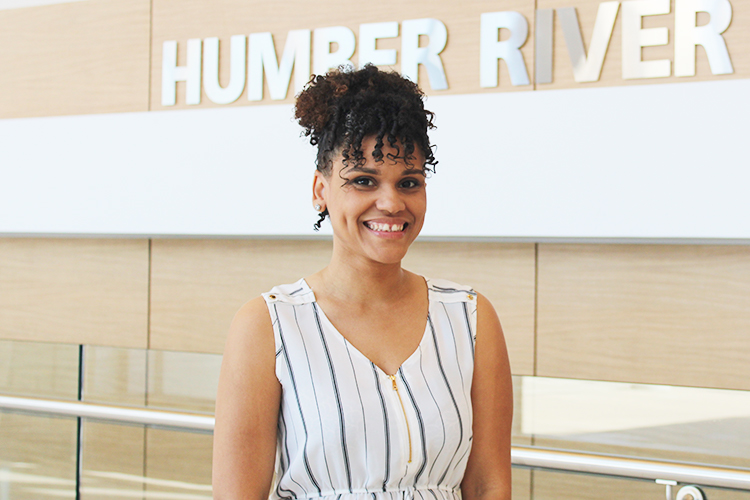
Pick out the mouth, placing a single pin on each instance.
(386, 228)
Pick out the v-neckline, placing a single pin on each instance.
(354, 348)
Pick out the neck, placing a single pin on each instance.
(357, 280)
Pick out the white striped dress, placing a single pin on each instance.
(349, 431)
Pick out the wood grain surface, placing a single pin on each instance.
(79, 291)
(198, 285)
(75, 58)
(662, 314)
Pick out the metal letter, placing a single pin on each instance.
(237, 65)
(412, 55)
(588, 68)
(323, 58)
(634, 37)
(263, 57)
(543, 45)
(171, 73)
(368, 40)
(688, 35)
(490, 49)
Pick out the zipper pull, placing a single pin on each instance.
(393, 379)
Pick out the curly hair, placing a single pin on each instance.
(341, 108)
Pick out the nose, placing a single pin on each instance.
(390, 200)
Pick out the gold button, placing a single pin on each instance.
(471, 297)
(272, 297)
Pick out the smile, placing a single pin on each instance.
(386, 228)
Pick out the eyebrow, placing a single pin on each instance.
(373, 171)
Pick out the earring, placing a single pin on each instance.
(317, 207)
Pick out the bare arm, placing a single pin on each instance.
(488, 470)
(247, 408)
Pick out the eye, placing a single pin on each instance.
(363, 182)
(410, 183)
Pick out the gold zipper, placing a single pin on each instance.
(403, 408)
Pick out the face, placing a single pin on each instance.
(376, 209)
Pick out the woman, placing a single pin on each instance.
(372, 381)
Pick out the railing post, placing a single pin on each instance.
(668, 483)
(79, 423)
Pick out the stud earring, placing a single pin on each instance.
(317, 207)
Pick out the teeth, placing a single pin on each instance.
(392, 228)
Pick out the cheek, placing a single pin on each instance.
(420, 206)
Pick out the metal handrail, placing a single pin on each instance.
(708, 475)
(723, 477)
(145, 416)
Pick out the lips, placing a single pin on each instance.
(386, 228)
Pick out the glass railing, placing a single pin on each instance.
(572, 439)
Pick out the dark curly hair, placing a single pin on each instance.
(341, 108)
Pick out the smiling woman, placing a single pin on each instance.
(377, 208)
(360, 380)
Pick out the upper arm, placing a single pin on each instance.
(247, 407)
(488, 470)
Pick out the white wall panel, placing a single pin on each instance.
(18, 4)
(652, 161)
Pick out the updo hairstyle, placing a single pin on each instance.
(341, 108)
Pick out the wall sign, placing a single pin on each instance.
(253, 57)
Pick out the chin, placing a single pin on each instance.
(388, 258)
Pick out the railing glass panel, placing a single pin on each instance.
(113, 461)
(39, 369)
(183, 380)
(115, 375)
(649, 421)
(124, 461)
(38, 452)
(553, 485)
(37, 457)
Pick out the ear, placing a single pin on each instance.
(320, 190)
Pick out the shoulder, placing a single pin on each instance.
(485, 310)
(489, 332)
(252, 326)
(251, 315)
(251, 329)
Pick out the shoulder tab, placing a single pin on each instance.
(448, 291)
(292, 293)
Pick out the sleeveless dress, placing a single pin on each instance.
(349, 431)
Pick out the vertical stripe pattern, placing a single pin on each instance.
(343, 431)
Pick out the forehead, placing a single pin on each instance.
(393, 159)
(387, 166)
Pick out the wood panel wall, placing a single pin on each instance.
(645, 313)
(75, 58)
(665, 314)
(89, 291)
(105, 56)
(198, 285)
